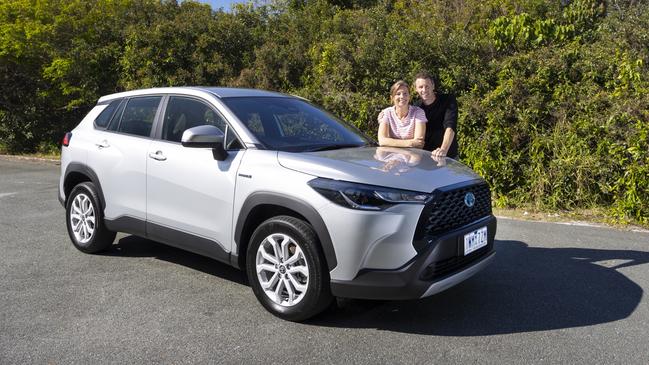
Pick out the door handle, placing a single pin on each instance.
(157, 156)
(102, 144)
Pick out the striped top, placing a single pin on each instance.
(403, 128)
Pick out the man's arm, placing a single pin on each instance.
(450, 124)
(449, 134)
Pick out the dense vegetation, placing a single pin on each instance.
(554, 102)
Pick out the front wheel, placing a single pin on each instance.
(286, 269)
(85, 220)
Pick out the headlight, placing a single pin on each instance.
(365, 197)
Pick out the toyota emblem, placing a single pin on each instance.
(469, 199)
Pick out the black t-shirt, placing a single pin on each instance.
(441, 114)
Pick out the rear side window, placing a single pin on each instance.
(114, 121)
(138, 116)
(105, 116)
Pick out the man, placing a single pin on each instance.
(441, 112)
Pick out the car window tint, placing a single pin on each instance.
(104, 117)
(184, 113)
(117, 116)
(138, 116)
(231, 140)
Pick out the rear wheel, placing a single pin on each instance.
(85, 220)
(286, 269)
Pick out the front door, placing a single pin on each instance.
(190, 194)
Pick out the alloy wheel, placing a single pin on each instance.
(82, 218)
(282, 269)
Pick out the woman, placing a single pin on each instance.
(402, 125)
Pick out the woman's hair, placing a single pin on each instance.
(396, 86)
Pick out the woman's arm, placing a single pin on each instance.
(420, 134)
(386, 141)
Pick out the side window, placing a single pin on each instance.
(117, 116)
(184, 113)
(104, 117)
(138, 116)
(231, 141)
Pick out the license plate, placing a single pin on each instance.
(475, 240)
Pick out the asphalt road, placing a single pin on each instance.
(555, 294)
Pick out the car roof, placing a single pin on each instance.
(219, 92)
(230, 92)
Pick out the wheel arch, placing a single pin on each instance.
(77, 173)
(260, 206)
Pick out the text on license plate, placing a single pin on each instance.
(474, 240)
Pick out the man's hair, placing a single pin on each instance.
(426, 75)
(395, 87)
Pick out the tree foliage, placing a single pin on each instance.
(553, 94)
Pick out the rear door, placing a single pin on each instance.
(119, 158)
(189, 194)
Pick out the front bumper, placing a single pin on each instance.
(437, 268)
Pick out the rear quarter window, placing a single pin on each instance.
(104, 117)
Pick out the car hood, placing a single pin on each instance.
(401, 168)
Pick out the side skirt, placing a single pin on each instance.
(169, 236)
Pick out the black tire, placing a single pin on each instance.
(100, 238)
(317, 296)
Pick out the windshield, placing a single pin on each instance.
(294, 125)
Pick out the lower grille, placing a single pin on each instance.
(450, 265)
(453, 264)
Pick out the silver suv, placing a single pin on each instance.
(307, 205)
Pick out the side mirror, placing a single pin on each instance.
(205, 136)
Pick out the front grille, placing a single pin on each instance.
(447, 211)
